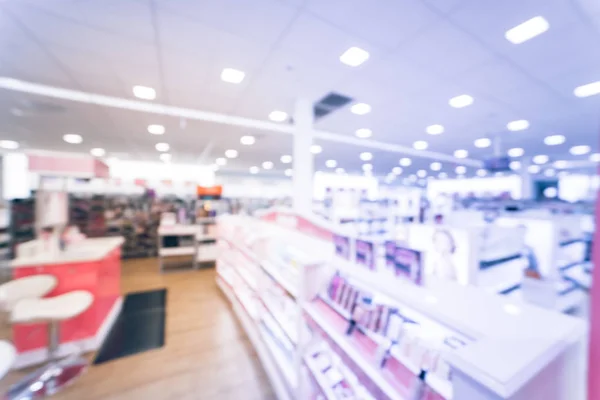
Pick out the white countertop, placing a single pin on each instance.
(90, 249)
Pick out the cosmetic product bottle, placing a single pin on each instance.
(417, 391)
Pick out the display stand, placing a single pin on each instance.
(176, 242)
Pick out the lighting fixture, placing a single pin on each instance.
(354, 56)
(267, 165)
(9, 144)
(367, 167)
(72, 138)
(554, 140)
(232, 75)
(461, 101)
(560, 164)
(405, 162)
(396, 170)
(481, 172)
(144, 92)
(482, 143)
(461, 169)
(527, 30)
(166, 157)
(162, 146)
(533, 169)
(420, 145)
(221, 161)
(442, 175)
(316, 149)
(97, 152)
(435, 166)
(435, 129)
(339, 170)
(550, 192)
(247, 140)
(587, 90)
(366, 156)
(254, 170)
(549, 172)
(461, 153)
(579, 150)
(421, 173)
(518, 125)
(286, 159)
(514, 165)
(540, 159)
(364, 133)
(593, 157)
(360, 109)
(516, 152)
(231, 153)
(331, 163)
(288, 172)
(156, 129)
(278, 116)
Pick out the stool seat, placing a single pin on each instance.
(7, 357)
(34, 286)
(58, 308)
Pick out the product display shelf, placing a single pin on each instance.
(319, 379)
(176, 241)
(279, 317)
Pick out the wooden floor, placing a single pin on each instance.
(207, 355)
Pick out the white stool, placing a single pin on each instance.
(34, 286)
(7, 357)
(57, 374)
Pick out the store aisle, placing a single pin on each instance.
(207, 355)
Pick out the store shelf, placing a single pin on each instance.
(285, 327)
(319, 379)
(441, 386)
(177, 251)
(274, 273)
(280, 358)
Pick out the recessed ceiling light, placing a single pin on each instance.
(366, 156)
(533, 169)
(72, 138)
(516, 152)
(579, 150)
(254, 170)
(461, 169)
(560, 164)
(461, 153)
(435, 166)
(247, 140)
(405, 162)
(482, 143)
(166, 157)
(461, 101)
(288, 172)
(354, 56)
(339, 170)
(364, 133)
(9, 144)
(231, 153)
(595, 157)
(514, 165)
(420, 145)
(331, 163)
(367, 167)
(316, 149)
(549, 172)
(278, 116)
(527, 30)
(156, 129)
(442, 175)
(360, 109)
(97, 152)
(162, 146)
(587, 90)
(554, 140)
(144, 92)
(518, 125)
(232, 75)
(221, 161)
(481, 172)
(435, 129)
(267, 165)
(421, 173)
(397, 170)
(540, 159)
(286, 159)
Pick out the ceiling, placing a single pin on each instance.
(422, 53)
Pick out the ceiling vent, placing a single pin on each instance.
(330, 103)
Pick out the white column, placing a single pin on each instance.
(303, 159)
(527, 182)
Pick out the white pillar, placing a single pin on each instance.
(303, 158)
(527, 182)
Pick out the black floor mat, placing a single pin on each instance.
(139, 327)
